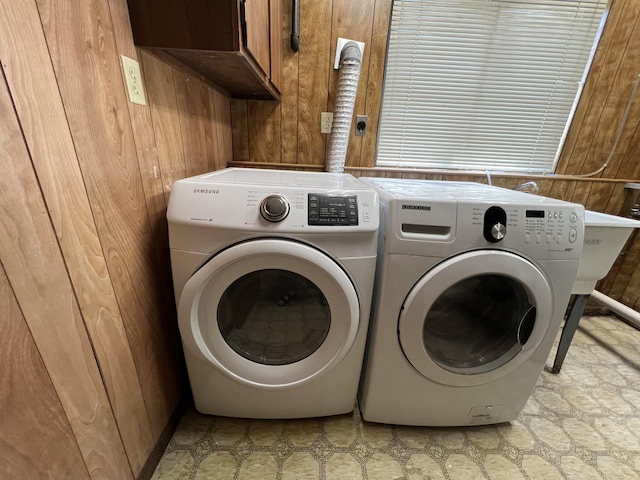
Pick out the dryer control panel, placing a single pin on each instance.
(274, 202)
(332, 210)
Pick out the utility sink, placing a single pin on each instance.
(604, 237)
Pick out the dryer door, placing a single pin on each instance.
(475, 317)
(270, 313)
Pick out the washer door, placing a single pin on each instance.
(475, 317)
(270, 313)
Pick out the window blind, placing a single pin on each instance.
(484, 84)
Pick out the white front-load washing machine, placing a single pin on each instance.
(273, 275)
(472, 285)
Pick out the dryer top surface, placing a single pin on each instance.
(289, 178)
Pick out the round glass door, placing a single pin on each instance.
(478, 324)
(475, 317)
(274, 317)
(269, 313)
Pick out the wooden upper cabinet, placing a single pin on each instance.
(236, 44)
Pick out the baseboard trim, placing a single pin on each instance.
(156, 454)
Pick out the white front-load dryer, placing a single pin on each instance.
(273, 275)
(472, 284)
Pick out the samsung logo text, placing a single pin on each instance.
(416, 207)
(206, 190)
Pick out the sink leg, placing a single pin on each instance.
(569, 329)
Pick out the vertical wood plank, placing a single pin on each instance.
(567, 162)
(580, 193)
(606, 95)
(352, 20)
(161, 97)
(30, 75)
(264, 131)
(630, 167)
(150, 173)
(83, 42)
(218, 161)
(375, 79)
(625, 285)
(289, 89)
(208, 120)
(315, 62)
(616, 201)
(35, 268)
(223, 116)
(544, 187)
(599, 195)
(192, 127)
(35, 438)
(562, 189)
(240, 130)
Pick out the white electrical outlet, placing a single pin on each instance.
(133, 79)
(326, 119)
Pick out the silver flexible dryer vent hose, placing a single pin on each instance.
(350, 63)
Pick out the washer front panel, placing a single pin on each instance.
(270, 313)
(475, 317)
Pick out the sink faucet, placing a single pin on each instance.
(529, 186)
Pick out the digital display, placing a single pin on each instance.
(535, 213)
(332, 210)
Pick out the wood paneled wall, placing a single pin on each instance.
(287, 135)
(91, 369)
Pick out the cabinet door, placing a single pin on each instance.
(276, 43)
(257, 32)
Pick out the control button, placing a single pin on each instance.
(365, 216)
(573, 218)
(561, 216)
(573, 235)
(527, 238)
(538, 238)
(559, 239)
(274, 208)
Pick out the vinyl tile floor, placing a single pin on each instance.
(583, 423)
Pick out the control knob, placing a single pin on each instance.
(498, 231)
(495, 224)
(274, 208)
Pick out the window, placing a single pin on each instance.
(484, 84)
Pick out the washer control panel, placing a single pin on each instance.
(553, 226)
(331, 210)
(551, 231)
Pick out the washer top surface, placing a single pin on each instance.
(253, 177)
(402, 189)
(442, 218)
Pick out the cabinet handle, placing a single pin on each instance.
(295, 26)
